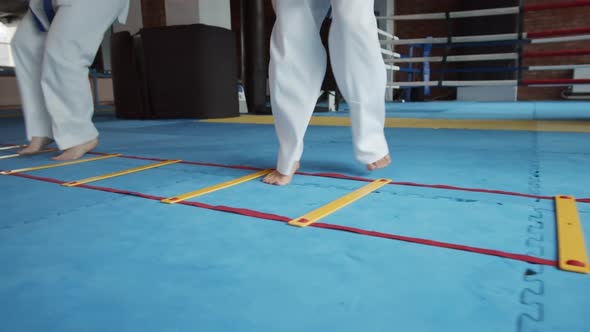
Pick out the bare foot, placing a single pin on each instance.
(279, 179)
(381, 163)
(76, 152)
(36, 145)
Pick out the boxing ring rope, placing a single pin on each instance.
(491, 57)
(517, 39)
(486, 12)
(386, 34)
(556, 67)
(387, 52)
(501, 69)
(461, 14)
(535, 82)
(458, 58)
(557, 36)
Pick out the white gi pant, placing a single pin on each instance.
(298, 65)
(52, 67)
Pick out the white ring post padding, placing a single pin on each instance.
(458, 58)
(455, 83)
(388, 52)
(558, 67)
(560, 39)
(460, 14)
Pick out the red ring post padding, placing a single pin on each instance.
(555, 33)
(549, 6)
(556, 81)
(542, 54)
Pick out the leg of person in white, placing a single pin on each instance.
(28, 46)
(297, 68)
(360, 72)
(52, 69)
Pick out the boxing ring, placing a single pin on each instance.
(478, 225)
(518, 40)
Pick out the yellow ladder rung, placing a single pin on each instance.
(11, 147)
(21, 170)
(10, 156)
(120, 173)
(207, 190)
(339, 203)
(570, 236)
(16, 155)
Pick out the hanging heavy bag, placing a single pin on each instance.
(13, 7)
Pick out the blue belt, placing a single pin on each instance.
(49, 12)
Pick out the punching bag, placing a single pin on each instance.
(13, 7)
(255, 56)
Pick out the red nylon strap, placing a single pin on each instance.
(240, 211)
(490, 252)
(186, 162)
(131, 157)
(554, 33)
(558, 5)
(434, 186)
(336, 176)
(274, 217)
(541, 54)
(32, 177)
(487, 191)
(222, 166)
(356, 178)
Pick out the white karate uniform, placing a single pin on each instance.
(298, 65)
(52, 67)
